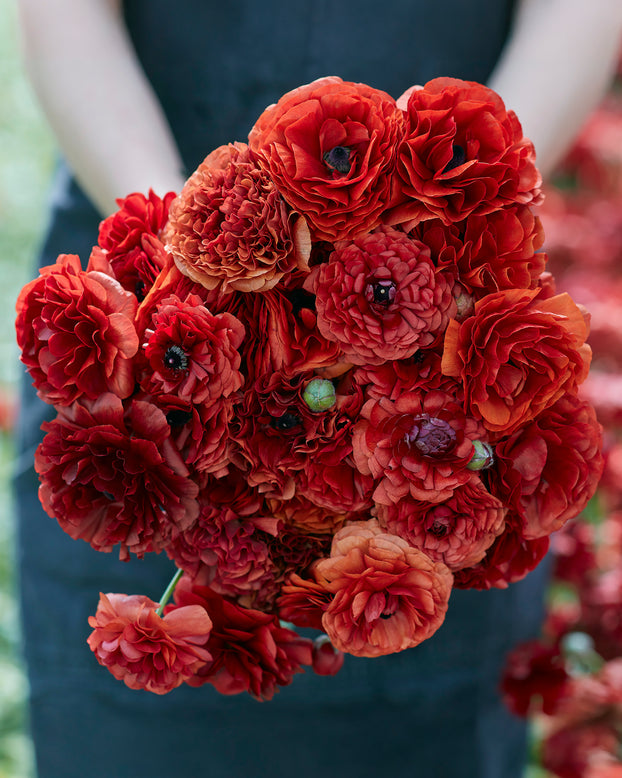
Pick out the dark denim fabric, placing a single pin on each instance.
(432, 712)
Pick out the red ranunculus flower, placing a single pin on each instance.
(277, 431)
(330, 148)
(387, 595)
(111, 475)
(192, 353)
(552, 465)
(200, 433)
(251, 651)
(517, 355)
(508, 560)
(147, 651)
(76, 333)
(130, 239)
(230, 229)
(380, 297)
(534, 678)
(492, 252)
(463, 153)
(421, 372)
(457, 531)
(420, 444)
(228, 545)
(282, 334)
(335, 485)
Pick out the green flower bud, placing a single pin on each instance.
(483, 456)
(319, 395)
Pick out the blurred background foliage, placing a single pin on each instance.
(26, 162)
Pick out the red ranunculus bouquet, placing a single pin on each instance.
(330, 380)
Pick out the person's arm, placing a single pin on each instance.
(99, 103)
(556, 67)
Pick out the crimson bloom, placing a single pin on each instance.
(380, 297)
(552, 465)
(498, 251)
(463, 153)
(517, 355)
(192, 353)
(76, 333)
(457, 531)
(420, 445)
(534, 678)
(387, 595)
(111, 475)
(145, 650)
(251, 651)
(330, 147)
(131, 240)
(230, 229)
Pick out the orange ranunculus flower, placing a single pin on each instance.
(147, 651)
(330, 148)
(229, 228)
(517, 355)
(387, 595)
(463, 153)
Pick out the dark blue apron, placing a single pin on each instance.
(431, 712)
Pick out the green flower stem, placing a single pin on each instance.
(169, 590)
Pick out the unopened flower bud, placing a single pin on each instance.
(464, 302)
(319, 395)
(326, 659)
(483, 456)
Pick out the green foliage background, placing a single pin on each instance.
(26, 161)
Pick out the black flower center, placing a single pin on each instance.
(175, 358)
(285, 422)
(178, 417)
(458, 158)
(433, 437)
(338, 158)
(381, 292)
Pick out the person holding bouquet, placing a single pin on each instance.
(138, 93)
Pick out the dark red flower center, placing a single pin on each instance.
(285, 422)
(391, 606)
(458, 158)
(433, 437)
(440, 524)
(175, 358)
(338, 158)
(381, 292)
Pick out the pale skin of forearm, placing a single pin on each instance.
(109, 124)
(556, 67)
(97, 100)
